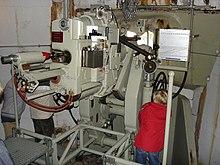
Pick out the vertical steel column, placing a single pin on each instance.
(15, 98)
(167, 127)
(65, 9)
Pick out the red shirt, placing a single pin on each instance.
(152, 119)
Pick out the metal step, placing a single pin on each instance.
(25, 151)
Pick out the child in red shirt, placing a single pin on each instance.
(150, 138)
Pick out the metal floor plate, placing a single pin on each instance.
(24, 151)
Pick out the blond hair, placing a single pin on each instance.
(160, 96)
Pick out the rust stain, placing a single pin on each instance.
(155, 2)
(56, 9)
(162, 24)
(73, 8)
(168, 2)
(199, 118)
(143, 2)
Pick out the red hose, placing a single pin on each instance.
(44, 107)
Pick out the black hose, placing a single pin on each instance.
(162, 84)
(61, 98)
(74, 119)
(181, 87)
(159, 83)
(123, 39)
(116, 21)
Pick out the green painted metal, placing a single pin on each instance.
(205, 41)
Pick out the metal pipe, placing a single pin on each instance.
(124, 150)
(120, 150)
(123, 40)
(117, 110)
(118, 144)
(89, 92)
(65, 9)
(181, 69)
(21, 46)
(88, 86)
(109, 141)
(102, 130)
(70, 156)
(31, 97)
(70, 8)
(121, 161)
(114, 101)
(93, 151)
(168, 113)
(33, 76)
(191, 24)
(15, 98)
(81, 138)
(33, 134)
(175, 7)
(68, 146)
(67, 133)
(39, 66)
